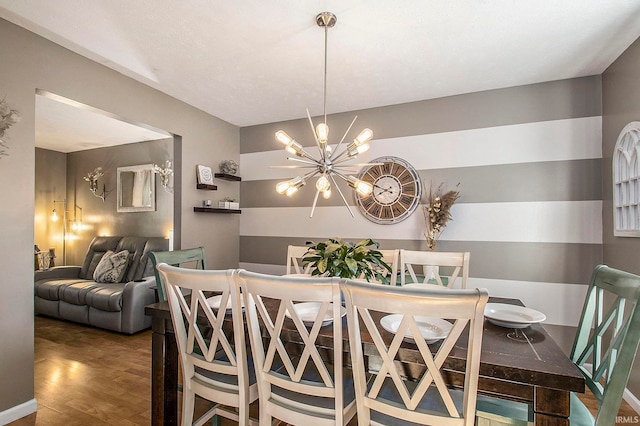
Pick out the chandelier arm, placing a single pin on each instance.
(315, 201)
(335, 151)
(344, 160)
(300, 160)
(344, 200)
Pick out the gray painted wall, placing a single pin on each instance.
(621, 105)
(50, 185)
(98, 217)
(528, 162)
(30, 62)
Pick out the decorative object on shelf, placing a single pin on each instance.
(204, 175)
(92, 178)
(54, 218)
(52, 257)
(437, 212)
(206, 203)
(165, 175)
(8, 117)
(336, 258)
(228, 167)
(330, 162)
(229, 203)
(396, 194)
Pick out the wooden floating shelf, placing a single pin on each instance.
(226, 176)
(215, 210)
(205, 186)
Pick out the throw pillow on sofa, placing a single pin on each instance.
(112, 267)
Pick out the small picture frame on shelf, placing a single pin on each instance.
(204, 175)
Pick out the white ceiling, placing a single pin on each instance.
(251, 62)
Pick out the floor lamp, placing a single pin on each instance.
(54, 217)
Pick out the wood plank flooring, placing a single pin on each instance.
(87, 376)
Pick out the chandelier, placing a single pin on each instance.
(329, 164)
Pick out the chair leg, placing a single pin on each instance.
(188, 402)
(265, 418)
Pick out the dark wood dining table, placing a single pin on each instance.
(524, 365)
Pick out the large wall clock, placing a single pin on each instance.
(396, 190)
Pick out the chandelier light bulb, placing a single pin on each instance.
(322, 132)
(54, 216)
(295, 148)
(281, 187)
(365, 136)
(353, 150)
(291, 190)
(363, 188)
(284, 138)
(326, 194)
(323, 184)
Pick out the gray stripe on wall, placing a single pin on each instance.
(538, 262)
(575, 180)
(578, 97)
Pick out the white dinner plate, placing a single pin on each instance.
(432, 329)
(308, 312)
(512, 316)
(214, 302)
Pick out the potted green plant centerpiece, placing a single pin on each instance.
(336, 258)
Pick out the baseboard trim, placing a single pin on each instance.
(18, 412)
(632, 400)
(629, 397)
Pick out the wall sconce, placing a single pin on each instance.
(92, 178)
(165, 174)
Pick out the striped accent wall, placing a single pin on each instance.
(528, 163)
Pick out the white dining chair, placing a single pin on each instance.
(434, 265)
(294, 260)
(297, 387)
(391, 258)
(214, 360)
(386, 398)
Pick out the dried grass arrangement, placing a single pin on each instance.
(436, 207)
(8, 117)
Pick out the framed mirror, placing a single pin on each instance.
(136, 189)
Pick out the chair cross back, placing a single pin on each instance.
(464, 307)
(431, 263)
(608, 336)
(213, 357)
(305, 376)
(193, 256)
(294, 260)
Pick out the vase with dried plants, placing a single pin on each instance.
(436, 207)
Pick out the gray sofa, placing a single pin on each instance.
(69, 292)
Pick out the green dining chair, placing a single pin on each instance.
(606, 342)
(180, 258)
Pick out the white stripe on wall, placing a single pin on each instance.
(562, 309)
(558, 140)
(547, 221)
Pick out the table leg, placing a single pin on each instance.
(164, 374)
(551, 407)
